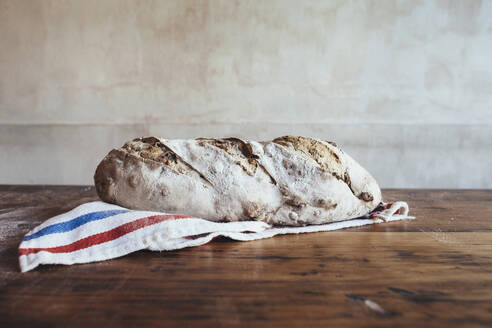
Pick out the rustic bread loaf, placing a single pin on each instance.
(287, 181)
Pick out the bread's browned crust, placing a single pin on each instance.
(325, 154)
(236, 148)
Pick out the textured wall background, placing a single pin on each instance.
(404, 86)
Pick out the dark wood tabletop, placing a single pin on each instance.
(433, 271)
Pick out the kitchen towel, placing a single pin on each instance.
(99, 231)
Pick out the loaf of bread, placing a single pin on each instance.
(290, 180)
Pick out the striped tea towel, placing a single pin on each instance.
(98, 231)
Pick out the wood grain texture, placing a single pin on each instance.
(433, 271)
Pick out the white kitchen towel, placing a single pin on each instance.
(99, 231)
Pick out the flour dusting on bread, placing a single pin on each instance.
(290, 180)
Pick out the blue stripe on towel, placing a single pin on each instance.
(74, 223)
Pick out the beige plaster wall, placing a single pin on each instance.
(404, 86)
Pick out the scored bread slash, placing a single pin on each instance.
(291, 180)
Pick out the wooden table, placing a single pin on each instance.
(433, 271)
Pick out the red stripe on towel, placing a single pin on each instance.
(103, 237)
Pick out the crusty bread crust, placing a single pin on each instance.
(290, 180)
